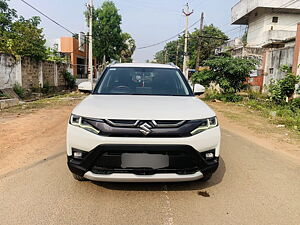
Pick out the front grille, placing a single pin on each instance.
(145, 128)
(153, 123)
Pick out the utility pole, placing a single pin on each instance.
(177, 51)
(187, 13)
(91, 69)
(166, 56)
(199, 41)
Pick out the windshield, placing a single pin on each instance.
(142, 81)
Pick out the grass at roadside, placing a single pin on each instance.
(55, 101)
(282, 114)
(253, 111)
(287, 115)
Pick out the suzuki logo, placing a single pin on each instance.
(145, 128)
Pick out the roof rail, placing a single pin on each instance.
(172, 64)
(114, 62)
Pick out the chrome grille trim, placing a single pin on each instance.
(154, 123)
(134, 124)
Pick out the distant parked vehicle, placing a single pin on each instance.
(85, 86)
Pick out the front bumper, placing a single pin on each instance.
(129, 177)
(95, 145)
(104, 163)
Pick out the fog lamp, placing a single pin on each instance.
(209, 155)
(77, 155)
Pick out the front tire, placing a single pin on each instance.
(79, 178)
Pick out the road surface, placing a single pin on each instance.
(253, 185)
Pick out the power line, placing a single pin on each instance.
(161, 42)
(31, 6)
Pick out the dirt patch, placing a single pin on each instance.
(30, 135)
(254, 127)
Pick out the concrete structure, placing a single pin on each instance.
(6, 103)
(267, 20)
(77, 53)
(10, 70)
(229, 45)
(286, 53)
(30, 73)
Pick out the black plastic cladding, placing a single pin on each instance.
(194, 161)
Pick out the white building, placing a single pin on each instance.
(267, 20)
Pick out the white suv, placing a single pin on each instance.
(142, 123)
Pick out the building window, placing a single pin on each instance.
(271, 70)
(275, 19)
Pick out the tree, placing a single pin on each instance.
(170, 52)
(212, 37)
(7, 15)
(230, 73)
(20, 36)
(54, 55)
(107, 33)
(26, 39)
(127, 48)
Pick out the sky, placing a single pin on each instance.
(148, 21)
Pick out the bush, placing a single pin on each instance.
(70, 80)
(230, 73)
(46, 88)
(284, 88)
(228, 97)
(19, 90)
(296, 103)
(256, 95)
(231, 97)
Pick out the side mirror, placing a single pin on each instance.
(85, 87)
(199, 89)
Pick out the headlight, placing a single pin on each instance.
(205, 124)
(83, 123)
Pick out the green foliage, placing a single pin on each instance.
(19, 90)
(207, 46)
(70, 80)
(7, 15)
(256, 95)
(20, 36)
(230, 73)
(284, 88)
(287, 114)
(107, 33)
(3, 95)
(47, 89)
(296, 103)
(128, 47)
(227, 97)
(54, 55)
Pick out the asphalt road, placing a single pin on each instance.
(253, 185)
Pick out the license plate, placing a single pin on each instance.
(144, 160)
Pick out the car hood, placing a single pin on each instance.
(143, 107)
